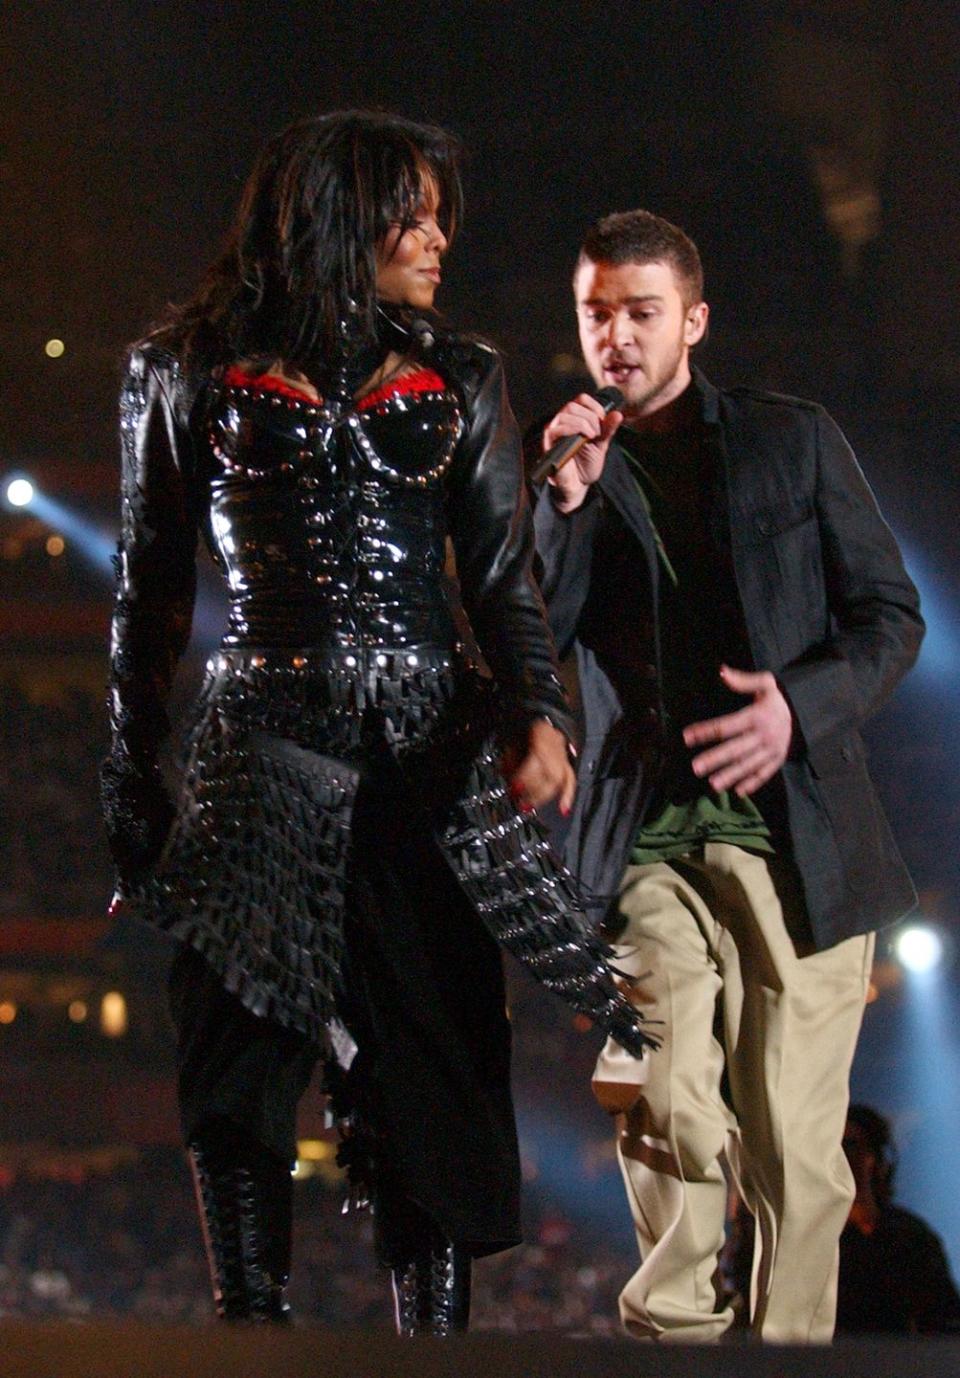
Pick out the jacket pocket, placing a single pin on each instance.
(779, 518)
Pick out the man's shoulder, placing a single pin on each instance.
(753, 417)
(905, 1224)
(747, 397)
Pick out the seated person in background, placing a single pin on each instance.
(894, 1275)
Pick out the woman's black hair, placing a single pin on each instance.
(299, 266)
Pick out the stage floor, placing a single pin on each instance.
(67, 1349)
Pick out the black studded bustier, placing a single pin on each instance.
(328, 520)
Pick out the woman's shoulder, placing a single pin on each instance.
(153, 364)
(467, 359)
(158, 352)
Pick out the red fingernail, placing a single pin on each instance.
(564, 810)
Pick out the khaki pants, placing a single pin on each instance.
(708, 937)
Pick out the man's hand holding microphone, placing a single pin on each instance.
(575, 446)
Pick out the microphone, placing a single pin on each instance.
(417, 329)
(564, 450)
(422, 331)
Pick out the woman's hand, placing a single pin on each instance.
(544, 773)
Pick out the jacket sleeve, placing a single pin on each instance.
(492, 534)
(564, 544)
(875, 608)
(153, 607)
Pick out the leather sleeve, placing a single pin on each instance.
(492, 535)
(874, 604)
(153, 607)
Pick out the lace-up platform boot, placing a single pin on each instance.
(245, 1198)
(432, 1290)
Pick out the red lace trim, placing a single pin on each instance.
(236, 377)
(423, 380)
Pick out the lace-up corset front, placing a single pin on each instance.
(328, 518)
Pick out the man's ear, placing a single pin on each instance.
(695, 324)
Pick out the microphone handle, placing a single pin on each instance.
(556, 457)
(560, 454)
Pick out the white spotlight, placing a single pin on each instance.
(20, 492)
(920, 948)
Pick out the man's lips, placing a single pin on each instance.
(432, 273)
(620, 369)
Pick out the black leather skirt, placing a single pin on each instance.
(254, 875)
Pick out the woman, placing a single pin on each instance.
(345, 854)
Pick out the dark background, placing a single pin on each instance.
(812, 151)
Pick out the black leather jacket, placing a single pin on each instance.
(329, 523)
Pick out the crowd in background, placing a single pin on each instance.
(128, 1244)
(53, 862)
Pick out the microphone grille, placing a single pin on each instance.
(609, 398)
(422, 332)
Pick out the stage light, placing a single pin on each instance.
(113, 1014)
(920, 949)
(20, 492)
(77, 1011)
(88, 539)
(54, 349)
(8, 1012)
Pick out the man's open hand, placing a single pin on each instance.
(753, 742)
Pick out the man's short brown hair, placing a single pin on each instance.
(641, 237)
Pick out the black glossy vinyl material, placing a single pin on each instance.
(329, 522)
(244, 1197)
(432, 1291)
(331, 530)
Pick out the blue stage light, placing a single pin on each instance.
(919, 948)
(940, 653)
(19, 491)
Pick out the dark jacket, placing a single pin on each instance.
(827, 606)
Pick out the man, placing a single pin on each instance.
(894, 1274)
(738, 607)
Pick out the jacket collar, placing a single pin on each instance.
(709, 397)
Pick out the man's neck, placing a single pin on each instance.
(679, 414)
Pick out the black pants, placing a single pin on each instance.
(423, 998)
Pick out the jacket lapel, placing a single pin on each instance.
(619, 487)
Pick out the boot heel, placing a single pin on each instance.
(432, 1290)
(244, 1195)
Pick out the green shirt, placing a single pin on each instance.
(701, 628)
